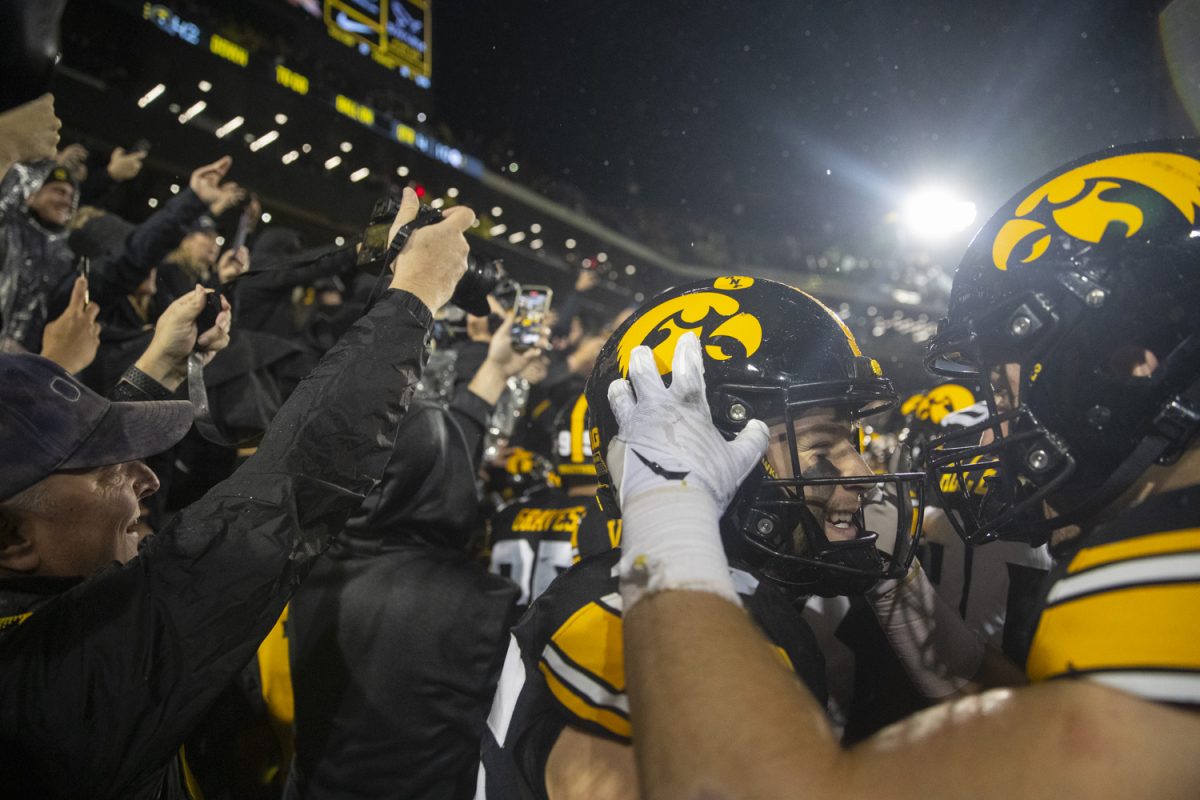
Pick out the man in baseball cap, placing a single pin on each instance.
(73, 473)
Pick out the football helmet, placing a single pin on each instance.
(1076, 309)
(925, 415)
(774, 353)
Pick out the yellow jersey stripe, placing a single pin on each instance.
(1179, 541)
(591, 639)
(1139, 628)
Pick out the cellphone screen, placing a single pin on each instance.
(533, 303)
(374, 244)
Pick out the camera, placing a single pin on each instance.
(481, 277)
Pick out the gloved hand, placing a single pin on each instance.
(674, 474)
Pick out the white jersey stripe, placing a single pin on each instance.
(1157, 569)
(1166, 687)
(508, 689)
(583, 683)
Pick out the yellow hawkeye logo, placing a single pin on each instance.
(1072, 203)
(724, 329)
(938, 402)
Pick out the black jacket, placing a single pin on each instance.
(397, 636)
(100, 684)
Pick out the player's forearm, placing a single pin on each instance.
(705, 690)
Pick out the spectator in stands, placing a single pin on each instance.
(34, 256)
(124, 261)
(105, 669)
(198, 257)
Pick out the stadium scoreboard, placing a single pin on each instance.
(397, 34)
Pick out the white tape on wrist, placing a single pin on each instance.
(670, 540)
(939, 652)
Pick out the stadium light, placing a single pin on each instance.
(402, 171)
(195, 109)
(346, 147)
(290, 156)
(496, 230)
(936, 213)
(517, 238)
(263, 141)
(497, 211)
(359, 174)
(152, 95)
(332, 162)
(229, 127)
(204, 86)
(281, 119)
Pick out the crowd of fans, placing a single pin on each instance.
(276, 525)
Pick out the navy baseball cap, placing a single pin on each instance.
(203, 224)
(51, 422)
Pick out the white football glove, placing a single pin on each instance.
(674, 475)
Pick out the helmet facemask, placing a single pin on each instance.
(800, 517)
(993, 477)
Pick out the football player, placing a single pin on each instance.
(1077, 309)
(535, 538)
(560, 725)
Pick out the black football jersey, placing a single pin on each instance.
(534, 540)
(565, 666)
(1122, 610)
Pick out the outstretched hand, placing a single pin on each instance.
(71, 340)
(176, 336)
(435, 256)
(674, 474)
(666, 433)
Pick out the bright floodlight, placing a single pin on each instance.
(936, 213)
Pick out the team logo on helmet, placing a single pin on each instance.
(1073, 203)
(939, 401)
(716, 317)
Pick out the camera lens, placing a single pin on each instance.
(481, 277)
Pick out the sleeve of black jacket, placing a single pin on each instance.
(261, 295)
(100, 686)
(119, 273)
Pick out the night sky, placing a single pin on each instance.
(809, 118)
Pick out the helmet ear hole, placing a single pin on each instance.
(766, 528)
(1133, 361)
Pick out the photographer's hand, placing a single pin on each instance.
(435, 257)
(71, 341)
(503, 361)
(175, 337)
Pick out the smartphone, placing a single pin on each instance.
(532, 306)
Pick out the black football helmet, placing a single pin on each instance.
(1077, 311)
(773, 353)
(925, 415)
